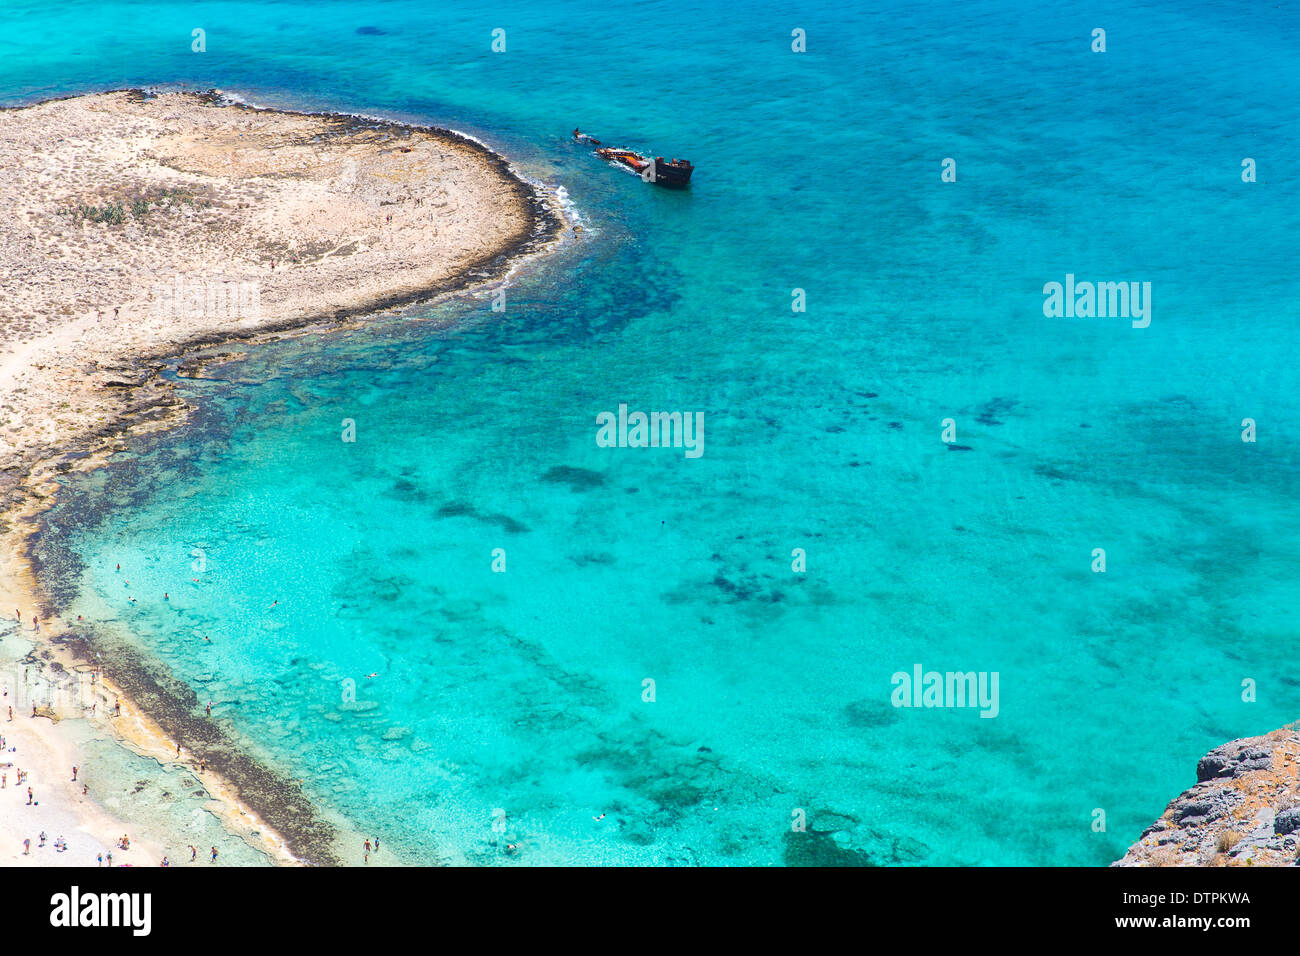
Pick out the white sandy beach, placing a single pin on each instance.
(58, 807)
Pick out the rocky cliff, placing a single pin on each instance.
(1243, 811)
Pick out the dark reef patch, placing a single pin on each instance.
(1052, 473)
(748, 588)
(463, 509)
(818, 848)
(870, 713)
(578, 479)
(404, 490)
(991, 411)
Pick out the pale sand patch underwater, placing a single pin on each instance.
(114, 196)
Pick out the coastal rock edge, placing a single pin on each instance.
(1243, 811)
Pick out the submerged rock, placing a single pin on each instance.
(578, 479)
(819, 848)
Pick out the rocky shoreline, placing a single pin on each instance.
(1243, 811)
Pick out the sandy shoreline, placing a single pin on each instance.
(143, 228)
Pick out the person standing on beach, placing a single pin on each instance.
(110, 857)
(193, 853)
(99, 859)
(29, 796)
(214, 854)
(74, 773)
(27, 848)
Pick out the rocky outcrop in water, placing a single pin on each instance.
(1243, 811)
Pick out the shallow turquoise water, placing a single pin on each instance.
(522, 691)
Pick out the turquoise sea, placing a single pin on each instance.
(509, 707)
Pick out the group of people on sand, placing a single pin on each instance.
(194, 853)
(123, 843)
(60, 844)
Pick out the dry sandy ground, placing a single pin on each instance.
(139, 226)
(353, 215)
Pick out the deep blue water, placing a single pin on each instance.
(523, 691)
